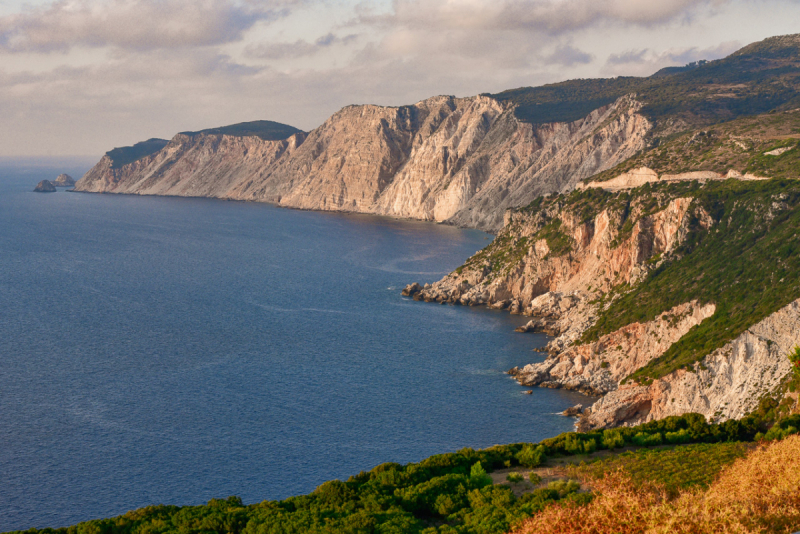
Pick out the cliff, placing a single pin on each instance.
(669, 298)
(456, 160)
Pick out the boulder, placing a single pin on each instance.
(64, 180)
(574, 411)
(45, 186)
(411, 289)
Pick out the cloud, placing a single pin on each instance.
(134, 24)
(297, 49)
(549, 16)
(567, 55)
(644, 62)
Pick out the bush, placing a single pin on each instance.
(681, 436)
(478, 476)
(534, 478)
(647, 440)
(613, 439)
(794, 357)
(530, 456)
(515, 477)
(564, 487)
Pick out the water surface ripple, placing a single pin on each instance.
(169, 350)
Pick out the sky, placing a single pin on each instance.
(80, 77)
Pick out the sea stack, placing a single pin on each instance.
(45, 186)
(64, 180)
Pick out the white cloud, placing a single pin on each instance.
(128, 70)
(551, 16)
(297, 49)
(134, 24)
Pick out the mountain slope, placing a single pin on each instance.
(458, 160)
(445, 159)
(667, 298)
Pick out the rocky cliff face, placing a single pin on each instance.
(727, 384)
(563, 261)
(457, 160)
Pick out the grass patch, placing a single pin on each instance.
(674, 468)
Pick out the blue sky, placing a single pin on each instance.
(79, 77)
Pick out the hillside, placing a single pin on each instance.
(265, 130)
(462, 161)
(666, 299)
(756, 79)
(459, 160)
(453, 493)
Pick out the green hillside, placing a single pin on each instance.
(452, 493)
(128, 154)
(266, 130)
(756, 79)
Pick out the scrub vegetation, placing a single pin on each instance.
(452, 493)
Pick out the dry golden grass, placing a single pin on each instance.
(757, 494)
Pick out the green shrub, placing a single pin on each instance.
(647, 440)
(478, 476)
(794, 357)
(564, 487)
(515, 477)
(534, 478)
(613, 439)
(530, 456)
(681, 436)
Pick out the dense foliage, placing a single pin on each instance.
(266, 130)
(756, 79)
(128, 154)
(446, 493)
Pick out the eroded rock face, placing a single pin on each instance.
(45, 186)
(459, 160)
(562, 293)
(597, 368)
(728, 383)
(559, 288)
(64, 180)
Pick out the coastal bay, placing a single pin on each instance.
(170, 350)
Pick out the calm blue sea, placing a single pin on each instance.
(168, 350)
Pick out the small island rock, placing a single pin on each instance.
(64, 180)
(45, 186)
(574, 411)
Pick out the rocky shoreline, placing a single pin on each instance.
(565, 292)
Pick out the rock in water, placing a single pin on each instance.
(45, 186)
(574, 411)
(64, 180)
(411, 289)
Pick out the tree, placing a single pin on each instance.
(794, 357)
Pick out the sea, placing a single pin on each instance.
(162, 350)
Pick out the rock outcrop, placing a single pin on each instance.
(64, 180)
(557, 289)
(597, 368)
(726, 384)
(643, 175)
(564, 261)
(456, 160)
(45, 186)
